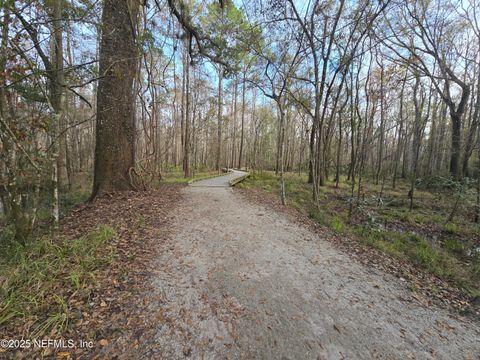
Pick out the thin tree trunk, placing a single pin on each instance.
(234, 138)
(219, 119)
(382, 122)
(186, 152)
(399, 140)
(282, 139)
(243, 123)
(57, 100)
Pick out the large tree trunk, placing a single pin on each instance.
(115, 127)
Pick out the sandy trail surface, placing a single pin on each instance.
(241, 281)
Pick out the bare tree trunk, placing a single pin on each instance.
(353, 127)
(399, 140)
(339, 149)
(182, 103)
(175, 118)
(477, 213)
(382, 122)
(469, 144)
(186, 152)
(256, 130)
(416, 138)
(234, 138)
(243, 122)
(432, 140)
(219, 119)
(456, 141)
(115, 127)
(57, 100)
(281, 151)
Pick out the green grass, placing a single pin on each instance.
(337, 225)
(454, 246)
(408, 237)
(37, 278)
(451, 228)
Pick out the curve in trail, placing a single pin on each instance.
(219, 181)
(240, 280)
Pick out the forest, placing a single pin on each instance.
(363, 116)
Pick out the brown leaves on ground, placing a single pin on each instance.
(142, 222)
(426, 287)
(114, 317)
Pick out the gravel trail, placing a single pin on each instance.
(241, 281)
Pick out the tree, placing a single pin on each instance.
(426, 50)
(115, 126)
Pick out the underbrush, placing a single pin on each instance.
(448, 248)
(37, 279)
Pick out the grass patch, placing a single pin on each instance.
(337, 225)
(441, 261)
(37, 278)
(450, 228)
(454, 246)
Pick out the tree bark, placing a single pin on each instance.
(234, 138)
(58, 153)
(398, 151)
(469, 144)
(115, 125)
(186, 151)
(243, 123)
(456, 144)
(219, 119)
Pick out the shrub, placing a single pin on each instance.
(426, 255)
(337, 225)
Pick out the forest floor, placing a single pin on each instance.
(211, 272)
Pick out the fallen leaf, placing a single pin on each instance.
(187, 351)
(103, 342)
(63, 355)
(339, 328)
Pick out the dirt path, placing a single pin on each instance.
(240, 281)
